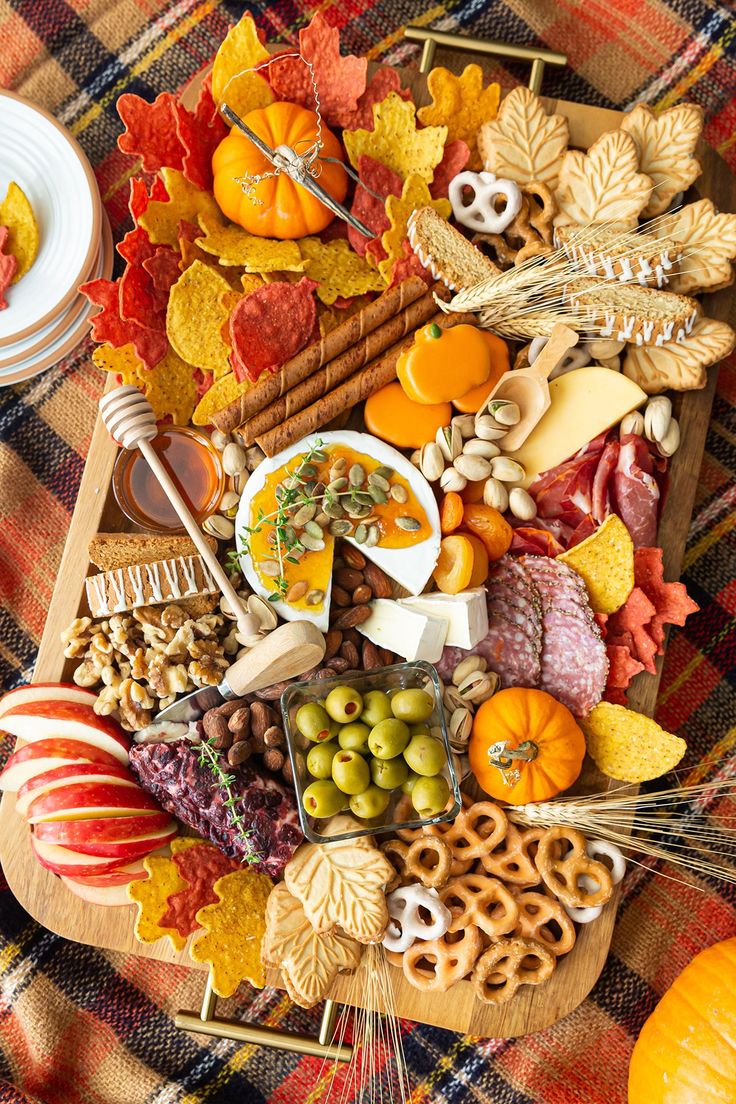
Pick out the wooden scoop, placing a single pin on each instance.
(528, 387)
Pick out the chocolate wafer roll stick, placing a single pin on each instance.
(339, 369)
(354, 390)
(301, 366)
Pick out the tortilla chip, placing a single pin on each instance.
(414, 194)
(226, 390)
(241, 49)
(396, 142)
(234, 930)
(605, 562)
(200, 865)
(271, 325)
(23, 237)
(234, 246)
(461, 104)
(169, 386)
(195, 318)
(186, 202)
(8, 266)
(628, 746)
(338, 270)
(151, 896)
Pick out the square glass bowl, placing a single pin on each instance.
(401, 676)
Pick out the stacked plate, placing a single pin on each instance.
(46, 317)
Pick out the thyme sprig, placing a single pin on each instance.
(209, 758)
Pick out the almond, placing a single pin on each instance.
(348, 577)
(349, 618)
(379, 583)
(352, 556)
(362, 594)
(340, 596)
(350, 653)
(333, 640)
(262, 717)
(371, 656)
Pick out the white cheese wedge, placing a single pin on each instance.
(410, 567)
(409, 633)
(584, 403)
(466, 614)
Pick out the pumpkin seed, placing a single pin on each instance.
(334, 509)
(378, 495)
(374, 535)
(322, 519)
(376, 480)
(288, 535)
(399, 493)
(384, 471)
(319, 456)
(304, 514)
(315, 597)
(408, 524)
(308, 488)
(363, 497)
(361, 533)
(337, 485)
(313, 529)
(339, 467)
(357, 509)
(313, 544)
(356, 475)
(340, 528)
(291, 482)
(306, 472)
(297, 591)
(270, 568)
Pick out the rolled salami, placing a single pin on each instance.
(301, 366)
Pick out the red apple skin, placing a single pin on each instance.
(42, 755)
(101, 831)
(67, 719)
(125, 850)
(60, 860)
(109, 895)
(45, 691)
(70, 775)
(72, 802)
(120, 877)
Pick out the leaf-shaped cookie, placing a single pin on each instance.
(309, 962)
(680, 365)
(665, 144)
(342, 884)
(602, 185)
(708, 242)
(524, 143)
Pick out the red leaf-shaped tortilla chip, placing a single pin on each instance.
(270, 325)
(8, 266)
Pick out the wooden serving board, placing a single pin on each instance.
(48, 901)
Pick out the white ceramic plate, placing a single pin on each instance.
(75, 332)
(49, 165)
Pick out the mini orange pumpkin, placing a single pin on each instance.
(286, 210)
(687, 1048)
(525, 746)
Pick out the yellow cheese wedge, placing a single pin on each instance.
(585, 402)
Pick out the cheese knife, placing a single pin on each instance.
(289, 650)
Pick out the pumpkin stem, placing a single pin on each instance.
(503, 757)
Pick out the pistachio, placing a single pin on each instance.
(376, 480)
(460, 726)
(488, 429)
(304, 514)
(229, 503)
(233, 458)
(356, 475)
(465, 423)
(338, 468)
(264, 611)
(239, 480)
(473, 467)
(219, 439)
(451, 699)
(269, 568)
(478, 686)
(521, 504)
(671, 440)
(297, 591)
(408, 524)
(374, 535)
(415, 457)
(657, 418)
(341, 527)
(399, 493)
(431, 461)
(218, 526)
(507, 470)
(467, 666)
(452, 480)
(495, 494)
(632, 423)
(253, 456)
(476, 447)
(312, 544)
(450, 441)
(505, 413)
(361, 533)
(315, 597)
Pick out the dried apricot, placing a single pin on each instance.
(473, 490)
(480, 560)
(451, 513)
(454, 565)
(491, 526)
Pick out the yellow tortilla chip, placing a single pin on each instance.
(629, 746)
(234, 930)
(605, 562)
(169, 386)
(161, 218)
(17, 214)
(241, 49)
(414, 194)
(338, 269)
(234, 246)
(195, 317)
(151, 895)
(461, 104)
(183, 843)
(224, 391)
(396, 142)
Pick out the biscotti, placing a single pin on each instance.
(629, 258)
(626, 312)
(147, 584)
(445, 253)
(111, 551)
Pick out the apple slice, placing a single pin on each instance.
(61, 860)
(120, 876)
(98, 833)
(45, 691)
(83, 801)
(40, 720)
(110, 895)
(68, 775)
(127, 849)
(30, 760)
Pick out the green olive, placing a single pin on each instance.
(430, 795)
(388, 738)
(419, 730)
(322, 799)
(313, 722)
(425, 755)
(319, 759)
(344, 704)
(410, 782)
(389, 774)
(350, 772)
(354, 737)
(412, 706)
(370, 803)
(376, 707)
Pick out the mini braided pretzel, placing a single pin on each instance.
(476, 829)
(413, 862)
(508, 964)
(475, 899)
(540, 918)
(438, 963)
(510, 860)
(562, 868)
(496, 248)
(542, 209)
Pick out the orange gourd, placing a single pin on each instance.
(442, 364)
(286, 210)
(473, 400)
(686, 1051)
(392, 416)
(525, 746)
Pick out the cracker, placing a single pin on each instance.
(665, 143)
(707, 239)
(680, 365)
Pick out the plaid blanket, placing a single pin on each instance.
(80, 1026)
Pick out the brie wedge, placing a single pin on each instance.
(407, 632)
(466, 614)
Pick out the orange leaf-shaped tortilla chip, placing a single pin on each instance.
(151, 895)
(234, 928)
(461, 104)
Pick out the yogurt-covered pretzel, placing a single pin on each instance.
(476, 899)
(438, 963)
(407, 907)
(481, 213)
(508, 964)
(538, 916)
(562, 861)
(594, 848)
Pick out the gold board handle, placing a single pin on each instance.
(536, 55)
(207, 1023)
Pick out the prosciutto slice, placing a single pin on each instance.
(635, 491)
